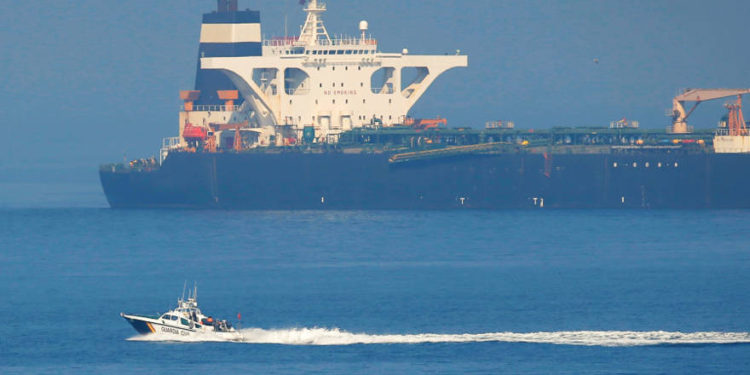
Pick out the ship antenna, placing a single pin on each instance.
(314, 31)
(184, 286)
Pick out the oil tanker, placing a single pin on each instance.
(314, 122)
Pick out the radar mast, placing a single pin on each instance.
(314, 32)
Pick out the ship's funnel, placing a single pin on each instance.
(227, 6)
(226, 33)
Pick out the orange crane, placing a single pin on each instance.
(735, 121)
(211, 144)
(424, 124)
(679, 116)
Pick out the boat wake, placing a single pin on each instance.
(335, 336)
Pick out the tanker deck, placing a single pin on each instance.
(400, 168)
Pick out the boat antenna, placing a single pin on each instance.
(184, 286)
(239, 323)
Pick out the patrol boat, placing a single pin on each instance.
(186, 320)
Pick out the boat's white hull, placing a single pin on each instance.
(145, 325)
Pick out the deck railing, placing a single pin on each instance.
(213, 108)
(168, 144)
(344, 41)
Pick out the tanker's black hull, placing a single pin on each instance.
(296, 180)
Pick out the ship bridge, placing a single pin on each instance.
(330, 84)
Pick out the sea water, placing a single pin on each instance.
(341, 292)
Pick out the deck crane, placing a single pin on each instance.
(679, 116)
(237, 145)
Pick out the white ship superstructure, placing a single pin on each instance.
(315, 81)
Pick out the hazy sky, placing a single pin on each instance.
(84, 82)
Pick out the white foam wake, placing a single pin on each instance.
(335, 336)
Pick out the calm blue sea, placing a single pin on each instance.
(446, 292)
